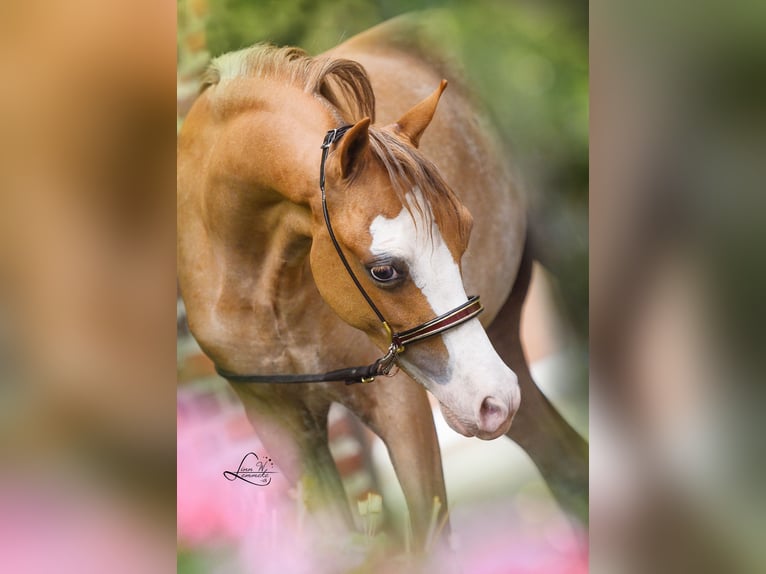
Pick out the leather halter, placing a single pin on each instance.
(399, 340)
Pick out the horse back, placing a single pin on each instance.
(406, 58)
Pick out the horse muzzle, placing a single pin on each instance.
(491, 417)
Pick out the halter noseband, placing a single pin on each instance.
(399, 340)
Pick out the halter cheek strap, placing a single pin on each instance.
(399, 340)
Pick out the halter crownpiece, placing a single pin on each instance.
(398, 340)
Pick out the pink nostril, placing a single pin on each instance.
(492, 415)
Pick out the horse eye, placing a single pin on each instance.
(384, 273)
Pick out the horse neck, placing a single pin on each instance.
(268, 314)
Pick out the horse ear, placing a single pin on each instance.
(412, 124)
(352, 145)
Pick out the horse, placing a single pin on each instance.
(325, 207)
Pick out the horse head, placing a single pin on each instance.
(404, 232)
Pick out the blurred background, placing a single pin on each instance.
(677, 275)
(528, 62)
(87, 288)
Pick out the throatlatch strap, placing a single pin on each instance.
(350, 376)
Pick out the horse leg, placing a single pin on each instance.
(558, 451)
(295, 436)
(398, 411)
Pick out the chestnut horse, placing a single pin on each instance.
(273, 289)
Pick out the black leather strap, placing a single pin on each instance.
(331, 137)
(350, 376)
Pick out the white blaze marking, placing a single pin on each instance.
(473, 363)
(431, 266)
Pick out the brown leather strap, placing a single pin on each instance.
(450, 319)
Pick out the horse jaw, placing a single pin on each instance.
(477, 392)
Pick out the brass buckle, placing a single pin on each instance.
(400, 348)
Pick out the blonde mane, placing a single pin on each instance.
(345, 86)
(343, 83)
